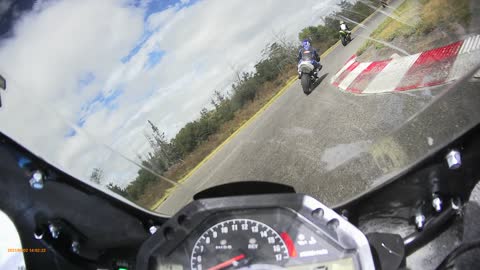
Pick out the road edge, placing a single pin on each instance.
(246, 123)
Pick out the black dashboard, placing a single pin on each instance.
(284, 231)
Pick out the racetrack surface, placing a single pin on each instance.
(309, 141)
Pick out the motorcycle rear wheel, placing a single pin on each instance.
(305, 82)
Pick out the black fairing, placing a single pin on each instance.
(244, 188)
(111, 230)
(106, 228)
(412, 191)
(393, 206)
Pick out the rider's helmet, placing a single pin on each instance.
(342, 22)
(306, 43)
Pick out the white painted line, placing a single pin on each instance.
(465, 44)
(472, 44)
(349, 63)
(460, 51)
(353, 74)
(477, 43)
(391, 75)
(464, 64)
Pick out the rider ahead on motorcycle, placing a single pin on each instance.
(344, 27)
(307, 48)
(345, 33)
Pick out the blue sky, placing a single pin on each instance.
(157, 6)
(153, 7)
(107, 100)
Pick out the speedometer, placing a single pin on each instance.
(238, 242)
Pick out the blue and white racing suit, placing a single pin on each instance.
(316, 57)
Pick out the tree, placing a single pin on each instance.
(164, 152)
(187, 138)
(96, 176)
(204, 112)
(217, 99)
(117, 189)
(144, 179)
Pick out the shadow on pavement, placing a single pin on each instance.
(318, 82)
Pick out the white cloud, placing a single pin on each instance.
(51, 49)
(59, 43)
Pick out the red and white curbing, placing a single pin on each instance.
(430, 68)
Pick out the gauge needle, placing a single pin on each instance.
(227, 263)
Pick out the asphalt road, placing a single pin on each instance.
(329, 144)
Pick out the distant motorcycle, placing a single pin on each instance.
(345, 37)
(384, 3)
(307, 72)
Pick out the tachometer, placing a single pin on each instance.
(238, 242)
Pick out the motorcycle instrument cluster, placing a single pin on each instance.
(301, 235)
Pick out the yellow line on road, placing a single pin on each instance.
(244, 125)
